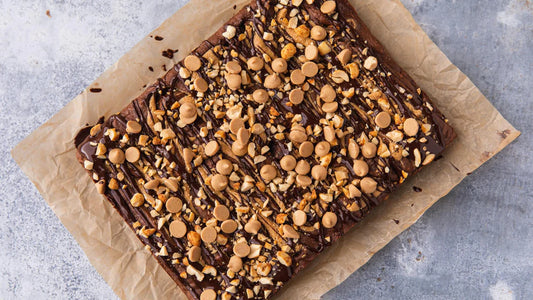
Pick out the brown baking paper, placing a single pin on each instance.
(47, 156)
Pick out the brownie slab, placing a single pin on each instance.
(263, 146)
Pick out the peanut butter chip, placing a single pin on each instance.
(303, 181)
(188, 112)
(410, 127)
(344, 56)
(233, 67)
(302, 167)
(208, 295)
(322, 148)
(235, 125)
(329, 220)
(195, 253)
(255, 63)
(272, 81)
(178, 229)
(299, 218)
(221, 212)
(318, 33)
(328, 7)
(329, 133)
(383, 119)
(239, 149)
(192, 62)
(260, 96)
(306, 149)
(319, 172)
(116, 156)
(297, 76)
(133, 154)
(229, 226)
(296, 96)
(268, 172)
(209, 234)
(327, 93)
(211, 148)
(279, 65)
(360, 168)
(243, 136)
(310, 69)
(133, 127)
(369, 150)
(224, 167)
(371, 63)
(174, 204)
(298, 134)
(289, 232)
(241, 249)
(252, 226)
(288, 162)
(311, 52)
(330, 107)
(235, 264)
(200, 84)
(368, 185)
(353, 149)
(219, 182)
(234, 81)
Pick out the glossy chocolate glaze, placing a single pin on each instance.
(312, 241)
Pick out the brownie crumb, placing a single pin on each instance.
(417, 189)
(235, 6)
(150, 68)
(164, 67)
(48, 13)
(169, 53)
(95, 90)
(396, 221)
(158, 38)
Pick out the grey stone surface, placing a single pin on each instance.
(475, 243)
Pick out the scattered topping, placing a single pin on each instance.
(192, 63)
(132, 154)
(328, 7)
(302, 167)
(288, 51)
(268, 172)
(255, 63)
(318, 33)
(229, 226)
(279, 65)
(177, 229)
(260, 96)
(116, 156)
(327, 93)
(311, 52)
(137, 200)
(173, 205)
(371, 63)
(209, 234)
(233, 67)
(188, 112)
(252, 226)
(241, 249)
(344, 56)
(297, 77)
(410, 127)
(195, 253)
(296, 96)
(369, 150)
(299, 218)
(208, 294)
(309, 69)
(221, 212)
(383, 119)
(319, 172)
(235, 264)
(368, 185)
(272, 81)
(329, 220)
(211, 148)
(322, 148)
(303, 181)
(224, 167)
(289, 232)
(360, 168)
(288, 162)
(133, 127)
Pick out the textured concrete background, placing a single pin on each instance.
(476, 243)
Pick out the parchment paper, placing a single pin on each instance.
(47, 156)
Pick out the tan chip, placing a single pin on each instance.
(319, 172)
(268, 172)
(209, 234)
(243, 136)
(306, 149)
(297, 77)
(229, 226)
(239, 149)
(410, 127)
(288, 162)
(318, 33)
(133, 127)
(328, 7)
(224, 167)
(221, 212)
(383, 119)
(208, 294)
(322, 148)
(272, 81)
(369, 150)
(299, 218)
(329, 220)
(235, 125)
(327, 93)
(311, 52)
(116, 156)
(241, 249)
(235, 264)
(309, 69)
(234, 81)
(132, 154)
(298, 134)
(260, 96)
(296, 96)
(192, 62)
(233, 67)
(302, 167)
(252, 226)
(371, 63)
(303, 181)
(353, 149)
(178, 229)
(360, 167)
(200, 85)
(279, 65)
(330, 107)
(188, 112)
(174, 204)
(219, 182)
(211, 148)
(255, 63)
(344, 56)
(195, 253)
(368, 185)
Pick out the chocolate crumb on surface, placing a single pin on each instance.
(48, 13)
(95, 90)
(263, 147)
